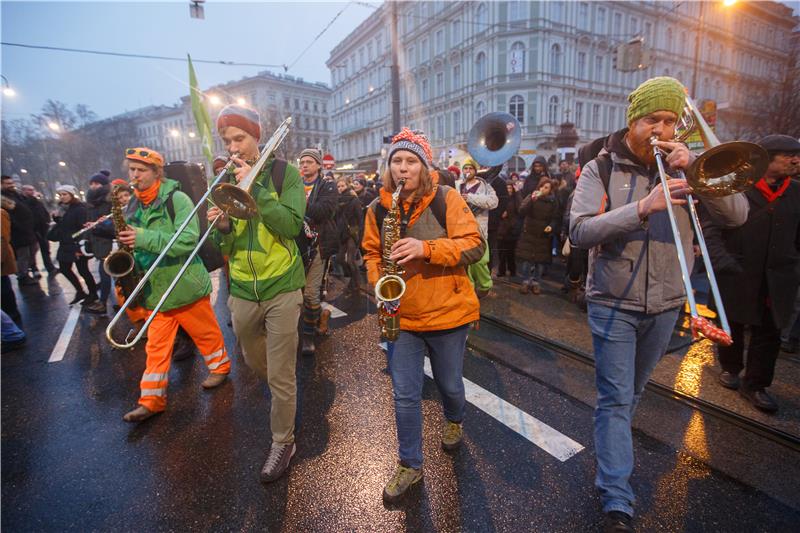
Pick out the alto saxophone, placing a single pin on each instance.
(391, 286)
(120, 263)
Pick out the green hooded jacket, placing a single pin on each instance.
(154, 228)
(263, 259)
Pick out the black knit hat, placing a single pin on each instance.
(102, 179)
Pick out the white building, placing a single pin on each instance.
(545, 63)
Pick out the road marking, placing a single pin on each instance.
(335, 312)
(556, 444)
(66, 334)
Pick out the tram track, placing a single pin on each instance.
(726, 415)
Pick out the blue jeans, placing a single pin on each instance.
(627, 347)
(532, 272)
(406, 365)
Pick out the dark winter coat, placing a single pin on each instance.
(366, 196)
(98, 204)
(508, 228)
(23, 222)
(349, 218)
(757, 263)
(534, 244)
(321, 216)
(71, 221)
(40, 215)
(499, 185)
(532, 181)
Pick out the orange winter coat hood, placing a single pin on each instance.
(438, 293)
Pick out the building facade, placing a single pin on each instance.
(545, 63)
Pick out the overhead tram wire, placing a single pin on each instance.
(143, 56)
(318, 36)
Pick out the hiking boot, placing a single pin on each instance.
(760, 399)
(214, 380)
(307, 347)
(402, 479)
(277, 461)
(617, 522)
(535, 288)
(324, 317)
(27, 280)
(97, 307)
(79, 297)
(729, 380)
(139, 414)
(452, 435)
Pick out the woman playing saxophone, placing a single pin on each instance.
(424, 233)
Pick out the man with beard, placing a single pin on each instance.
(538, 171)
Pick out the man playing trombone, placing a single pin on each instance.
(266, 275)
(634, 288)
(150, 227)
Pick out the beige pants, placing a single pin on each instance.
(267, 332)
(311, 294)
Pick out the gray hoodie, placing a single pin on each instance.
(633, 265)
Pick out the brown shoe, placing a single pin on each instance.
(324, 317)
(535, 288)
(139, 414)
(524, 288)
(214, 380)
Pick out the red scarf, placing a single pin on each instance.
(147, 196)
(767, 191)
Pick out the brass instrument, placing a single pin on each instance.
(391, 286)
(722, 170)
(494, 139)
(235, 198)
(120, 263)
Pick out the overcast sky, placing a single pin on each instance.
(247, 32)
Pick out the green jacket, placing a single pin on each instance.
(263, 258)
(154, 228)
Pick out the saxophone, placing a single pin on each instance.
(391, 286)
(120, 263)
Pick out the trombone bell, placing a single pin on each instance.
(727, 168)
(234, 201)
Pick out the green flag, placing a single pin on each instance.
(201, 117)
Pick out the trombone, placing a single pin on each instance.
(234, 200)
(722, 170)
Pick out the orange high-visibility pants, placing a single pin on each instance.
(135, 313)
(198, 320)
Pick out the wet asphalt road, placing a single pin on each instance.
(69, 462)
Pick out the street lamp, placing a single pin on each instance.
(53, 126)
(7, 89)
(62, 164)
(241, 101)
(214, 99)
(174, 133)
(192, 135)
(23, 171)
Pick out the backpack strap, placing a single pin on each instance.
(604, 167)
(170, 205)
(438, 206)
(278, 171)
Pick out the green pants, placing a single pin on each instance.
(479, 273)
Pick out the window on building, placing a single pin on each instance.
(601, 20)
(581, 74)
(297, 103)
(515, 11)
(648, 32)
(517, 59)
(410, 18)
(324, 123)
(583, 15)
(612, 118)
(305, 105)
(456, 123)
(557, 11)
(324, 107)
(633, 26)
(579, 114)
(424, 51)
(316, 107)
(480, 110)
(618, 23)
(555, 59)
(439, 128)
(439, 41)
(516, 108)
(480, 67)
(456, 77)
(316, 123)
(552, 110)
(286, 102)
(440, 84)
(425, 93)
(595, 116)
(668, 45)
(361, 58)
(369, 52)
(410, 59)
(481, 17)
(599, 74)
(378, 45)
(455, 31)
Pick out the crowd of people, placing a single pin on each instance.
(453, 230)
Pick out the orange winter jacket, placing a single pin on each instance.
(438, 293)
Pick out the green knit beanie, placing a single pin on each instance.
(656, 94)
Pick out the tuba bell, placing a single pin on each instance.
(494, 139)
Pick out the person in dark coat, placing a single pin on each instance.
(756, 266)
(350, 222)
(23, 235)
(537, 171)
(540, 212)
(364, 193)
(496, 182)
(99, 204)
(320, 218)
(508, 233)
(42, 225)
(69, 252)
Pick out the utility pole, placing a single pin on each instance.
(395, 74)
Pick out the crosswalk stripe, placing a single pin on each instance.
(335, 311)
(66, 334)
(545, 437)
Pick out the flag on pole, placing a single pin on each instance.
(201, 117)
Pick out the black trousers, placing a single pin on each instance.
(9, 302)
(83, 269)
(762, 352)
(493, 244)
(577, 264)
(44, 249)
(507, 259)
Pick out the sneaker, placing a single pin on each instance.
(78, 298)
(617, 522)
(452, 435)
(97, 307)
(402, 479)
(214, 380)
(277, 461)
